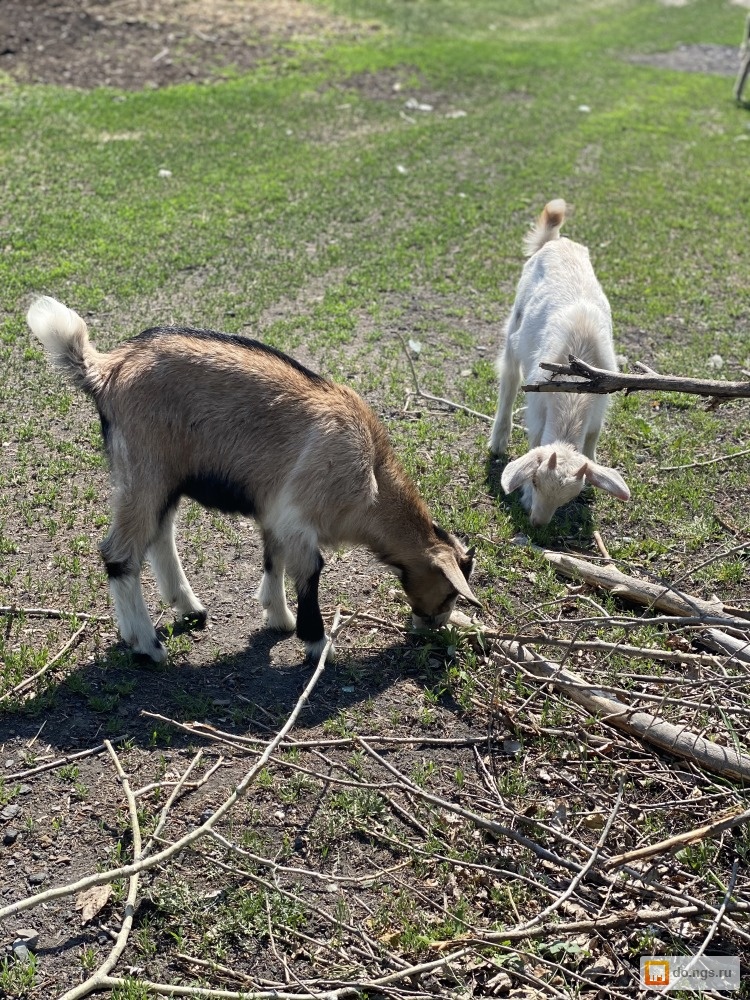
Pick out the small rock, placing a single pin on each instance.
(36, 878)
(414, 105)
(10, 812)
(10, 836)
(27, 936)
(21, 952)
(23, 789)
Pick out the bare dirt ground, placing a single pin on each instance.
(64, 823)
(135, 44)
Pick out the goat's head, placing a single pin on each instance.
(435, 576)
(553, 475)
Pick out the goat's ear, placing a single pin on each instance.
(606, 479)
(455, 577)
(552, 463)
(466, 562)
(518, 471)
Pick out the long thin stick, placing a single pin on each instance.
(679, 840)
(47, 666)
(418, 391)
(95, 982)
(103, 878)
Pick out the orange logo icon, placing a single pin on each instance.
(656, 973)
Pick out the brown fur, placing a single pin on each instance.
(241, 427)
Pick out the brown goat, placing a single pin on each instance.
(242, 428)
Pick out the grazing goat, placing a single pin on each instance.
(242, 428)
(560, 309)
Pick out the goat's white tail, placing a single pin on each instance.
(547, 227)
(65, 338)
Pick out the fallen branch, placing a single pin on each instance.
(422, 394)
(19, 688)
(676, 740)
(652, 595)
(739, 649)
(96, 981)
(62, 761)
(708, 461)
(608, 922)
(603, 382)
(143, 864)
(13, 611)
(679, 840)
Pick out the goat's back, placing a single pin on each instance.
(202, 405)
(560, 308)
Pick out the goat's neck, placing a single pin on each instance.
(399, 523)
(567, 419)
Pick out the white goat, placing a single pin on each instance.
(560, 309)
(240, 427)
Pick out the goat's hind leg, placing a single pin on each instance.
(170, 576)
(123, 551)
(271, 592)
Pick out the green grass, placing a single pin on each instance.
(307, 205)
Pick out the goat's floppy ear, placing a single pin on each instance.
(518, 471)
(452, 572)
(606, 479)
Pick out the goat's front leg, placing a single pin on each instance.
(310, 627)
(509, 382)
(271, 592)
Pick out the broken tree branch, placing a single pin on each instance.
(603, 382)
(677, 740)
(653, 595)
(94, 983)
(679, 840)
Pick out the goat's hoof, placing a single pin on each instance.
(195, 619)
(155, 650)
(283, 621)
(314, 650)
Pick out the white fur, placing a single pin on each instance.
(559, 309)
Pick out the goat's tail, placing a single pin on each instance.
(547, 227)
(65, 338)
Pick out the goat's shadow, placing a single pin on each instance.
(573, 522)
(118, 694)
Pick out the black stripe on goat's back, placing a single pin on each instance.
(229, 338)
(215, 491)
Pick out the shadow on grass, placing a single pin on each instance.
(244, 692)
(572, 524)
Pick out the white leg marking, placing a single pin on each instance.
(170, 576)
(136, 627)
(270, 593)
